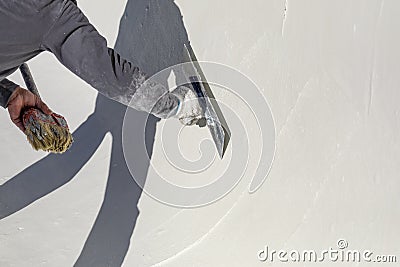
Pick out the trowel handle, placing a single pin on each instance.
(28, 79)
(196, 84)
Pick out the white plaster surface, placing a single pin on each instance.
(329, 70)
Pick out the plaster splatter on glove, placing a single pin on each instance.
(189, 111)
(49, 133)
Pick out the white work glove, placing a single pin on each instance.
(189, 111)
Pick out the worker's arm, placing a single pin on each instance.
(19, 101)
(79, 47)
(16, 99)
(7, 88)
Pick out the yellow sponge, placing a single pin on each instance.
(49, 133)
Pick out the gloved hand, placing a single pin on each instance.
(19, 101)
(189, 111)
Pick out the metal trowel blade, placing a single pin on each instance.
(214, 118)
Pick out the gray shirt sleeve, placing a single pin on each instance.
(6, 89)
(79, 47)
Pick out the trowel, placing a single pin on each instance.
(213, 117)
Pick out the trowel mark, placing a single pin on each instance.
(204, 237)
(371, 90)
(372, 72)
(284, 17)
